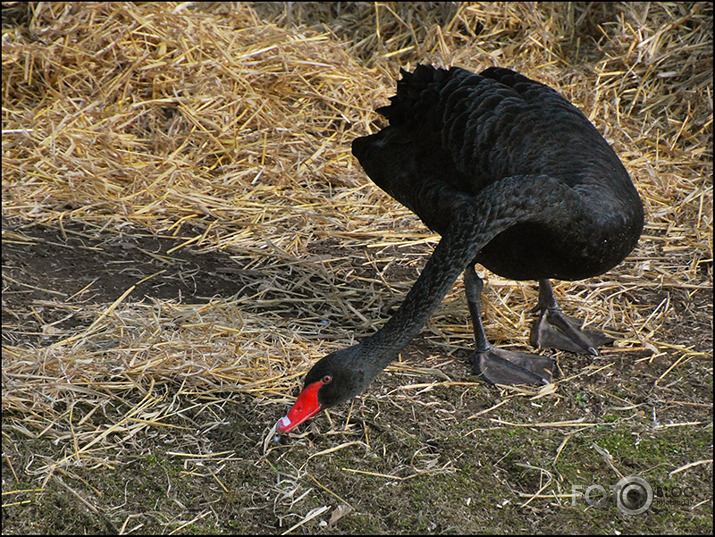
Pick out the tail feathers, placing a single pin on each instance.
(421, 89)
(413, 89)
(420, 92)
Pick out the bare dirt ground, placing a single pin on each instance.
(159, 313)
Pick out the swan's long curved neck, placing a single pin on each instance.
(474, 222)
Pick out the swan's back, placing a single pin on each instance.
(461, 132)
(497, 124)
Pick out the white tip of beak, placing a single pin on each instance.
(284, 423)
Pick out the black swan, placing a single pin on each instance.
(513, 177)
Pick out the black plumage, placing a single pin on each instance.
(457, 130)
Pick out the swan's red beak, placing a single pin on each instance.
(305, 406)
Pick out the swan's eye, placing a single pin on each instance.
(327, 379)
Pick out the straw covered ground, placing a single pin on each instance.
(185, 232)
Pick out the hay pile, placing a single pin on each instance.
(213, 125)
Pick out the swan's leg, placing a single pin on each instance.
(499, 366)
(556, 330)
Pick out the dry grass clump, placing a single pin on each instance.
(149, 116)
(452, 32)
(209, 124)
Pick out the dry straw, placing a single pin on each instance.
(209, 124)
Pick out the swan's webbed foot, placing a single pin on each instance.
(554, 329)
(499, 366)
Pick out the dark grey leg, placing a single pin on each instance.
(473, 286)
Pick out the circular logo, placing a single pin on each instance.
(634, 495)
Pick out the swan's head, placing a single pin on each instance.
(338, 377)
